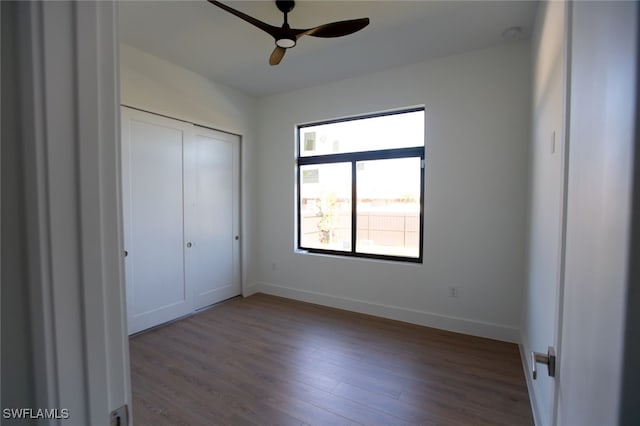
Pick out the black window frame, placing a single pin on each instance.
(353, 158)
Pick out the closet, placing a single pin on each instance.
(181, 217)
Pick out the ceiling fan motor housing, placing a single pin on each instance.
(285, 6)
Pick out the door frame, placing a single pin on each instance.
(70, 134)
(566, 109)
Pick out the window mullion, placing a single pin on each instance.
(354, 206)
(299, 203)
(382, 154)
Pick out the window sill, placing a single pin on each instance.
(361, 257)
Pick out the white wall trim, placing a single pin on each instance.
(36, 206)
(98, 117)
(74, 234)
(414, 316)
(532, 395)
(249, 289)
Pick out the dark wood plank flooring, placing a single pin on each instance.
(266, 360)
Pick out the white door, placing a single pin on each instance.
(213, 225)
(598, 371)
(152, 158)
(546, 242)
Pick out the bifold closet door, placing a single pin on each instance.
(153, 200)
(216, 210)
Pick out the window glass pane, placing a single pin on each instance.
(368, 134)
(325, 206)
(388, 208)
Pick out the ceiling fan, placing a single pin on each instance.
(287, 37)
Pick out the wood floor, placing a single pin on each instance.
(266, 360)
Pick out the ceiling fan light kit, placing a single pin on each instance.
(287, 37)
(287, 43)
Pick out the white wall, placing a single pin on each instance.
(477, 133)
(155, 85)
(546, 205)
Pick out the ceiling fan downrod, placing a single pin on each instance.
(286, 6)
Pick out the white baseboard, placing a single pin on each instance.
(527, 375)
(248, 290)
(444, 322)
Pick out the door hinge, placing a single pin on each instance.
(120, 416)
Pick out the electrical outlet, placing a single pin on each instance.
(453, 291)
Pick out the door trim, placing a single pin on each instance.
(180, 119)
(565, 151)
(70, 123)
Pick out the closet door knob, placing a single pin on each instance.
(189, 244)
(237, 237)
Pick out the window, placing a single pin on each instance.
(360, 186)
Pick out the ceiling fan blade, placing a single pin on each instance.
(277, 55)
(269, 29)
(336, 29)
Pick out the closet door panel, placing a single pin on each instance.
(154, 235)
(216, 217)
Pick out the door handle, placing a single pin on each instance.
(549, 359)
(189, 244)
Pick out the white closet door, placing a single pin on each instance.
(216, 208)
(152, 157)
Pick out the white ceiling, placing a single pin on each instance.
(211, 42)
